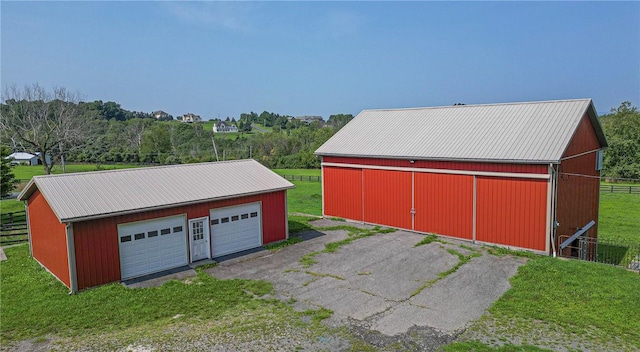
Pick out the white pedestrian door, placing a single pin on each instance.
(199, 237)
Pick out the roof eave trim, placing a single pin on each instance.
(28, 190)
(172, 205)
(500, 161)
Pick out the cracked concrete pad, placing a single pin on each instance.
(336, 295)
(330, 223)
(400, 319)
(264, 266)
(374, 278)
(368, 268)
(456, 300)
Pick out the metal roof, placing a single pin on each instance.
(86, 195)
(530, 132)
(21, 156)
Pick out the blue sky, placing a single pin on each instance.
(321, 58)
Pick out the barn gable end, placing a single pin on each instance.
(579, 182)
(94, 228)
(485, 173)
(48, 238)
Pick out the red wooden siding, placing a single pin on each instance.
(511, 212)
(444, 204)
(48, 238)
(342, 192)
(578, 196)
(443, 165)
(96, 241)
(387, 198)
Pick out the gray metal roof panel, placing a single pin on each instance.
(514, 132)
(97, 194)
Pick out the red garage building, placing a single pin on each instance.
(92, 228)
(517, 175)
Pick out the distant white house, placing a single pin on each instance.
(189, 117)
(23, 158)
(223, 127)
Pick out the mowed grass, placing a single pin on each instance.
(24, 172)
(591, 300)
(619, 219)
(306, 198)
(35, 304)
(298, 172)
(10, 206)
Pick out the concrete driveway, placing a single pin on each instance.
(383, 284)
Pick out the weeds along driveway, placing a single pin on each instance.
(383, 286)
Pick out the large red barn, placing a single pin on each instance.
(516, 174)
(93, 228)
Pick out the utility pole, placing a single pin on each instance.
(214, 148)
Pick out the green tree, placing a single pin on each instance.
(37, 120)
(338, 121)
(156, 144)
(6, 174)
(622, 129)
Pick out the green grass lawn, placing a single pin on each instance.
(35, 304)
(24, 172)
(10, 206)
(619, 218)
(298, 172)
(553, 302)
(305, 198)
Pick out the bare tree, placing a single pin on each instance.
(37, 120)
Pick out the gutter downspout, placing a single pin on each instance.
(26, 212)
(554, 208)
(71, 257)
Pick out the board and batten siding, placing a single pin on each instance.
(387, 198)
(48, 238)
(579, 196)
(512, 212)
(342, 192)
(444, 204)
(509, 211)
(96, 241)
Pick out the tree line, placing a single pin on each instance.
(55, 123)
(622, 130)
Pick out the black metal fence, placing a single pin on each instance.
(620, 189)
(302, 178)
(13, 228)
(626, 255)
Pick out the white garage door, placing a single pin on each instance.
(150, 246)
(236, 229)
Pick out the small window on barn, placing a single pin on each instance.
(224, 220)
(215, 222)
(244, 216)
(125, 239)
(165, 231)
(254, 214)
(139, 236)
(599, 159)
(152, 234)
(235, 218)
(177, 229)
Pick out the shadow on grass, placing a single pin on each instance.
(612, 253)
